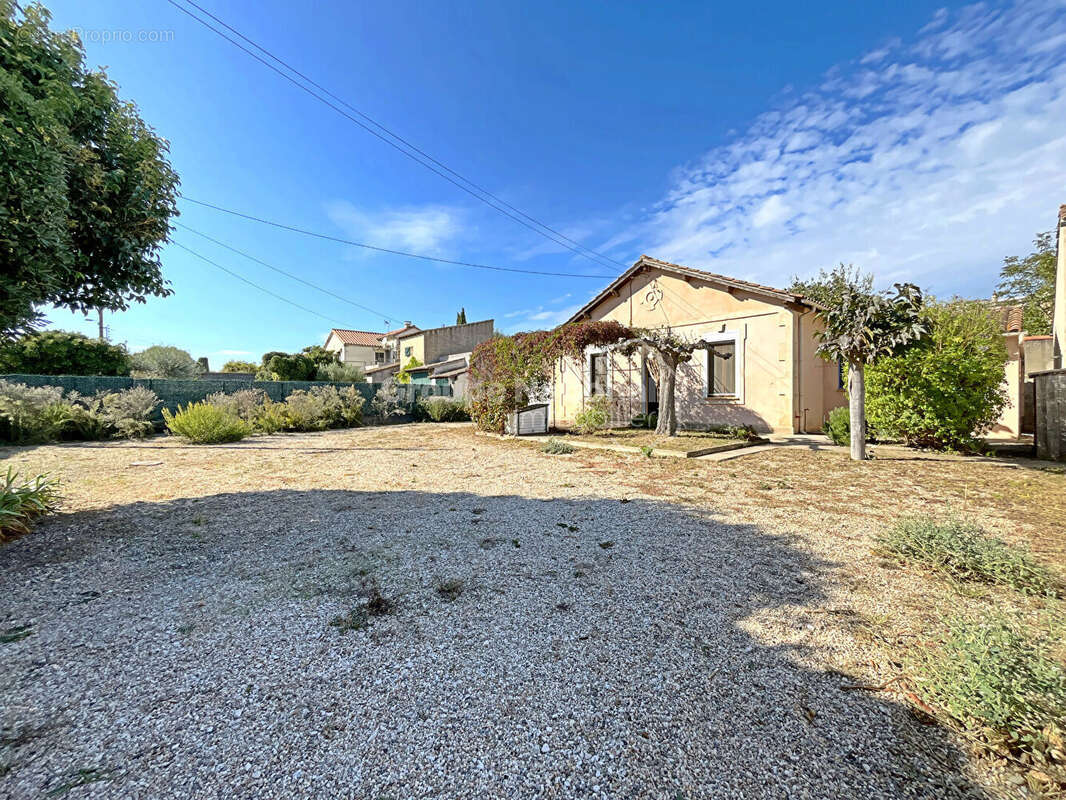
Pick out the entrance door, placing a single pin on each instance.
(651, 393)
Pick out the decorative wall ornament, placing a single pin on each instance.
(653, 295)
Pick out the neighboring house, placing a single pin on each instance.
(382, 372)
(1010, 423)
(760, 369)
(389, 341)
(356, 348)
(452, 371)
(437, 344)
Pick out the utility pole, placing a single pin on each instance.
(100, 318)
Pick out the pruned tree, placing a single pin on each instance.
(460, 318)
(861, 327)
(666, 351)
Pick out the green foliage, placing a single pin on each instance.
(948, 388)
(163, 361)
(595, 416)
(443, 409)
(37, 414)
(387, 402)
(864, 326)
(316, 409)
(647, 421)
(22, 501)
(838, 426)
(1030, 281)
(557, 447)
(404, 375)
(204, 423)
(240, 366)
(320, 355)
(269, 417)
(30, 414)
(340, 373)
(742, 432)
(283, 367)
(963, 551)
(829, 288)
(87, 191)
(460, 318)
(242, 404)
(63, 353)
(128, 414)
(506, 370)
(1000, 684)
(647, 450)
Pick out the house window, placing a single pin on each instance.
(379, 357)
(407, 352)
(598, 373)
(722, 369)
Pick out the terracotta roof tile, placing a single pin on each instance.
(405, 329)
(364, 338)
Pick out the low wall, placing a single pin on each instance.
(1051, 414)
(181, 391)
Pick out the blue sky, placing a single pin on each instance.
(917, 140)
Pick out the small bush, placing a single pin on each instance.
(743, 432)
(555, 447)
(242, 404)
(443, 409)
(311, 410)
(647, 451)
(63, 353)
(964, 551)
(340, 373)
(203, 423)
(595, 416)
(161, 361)
(1000, 684)
(352, 402)
(269, 417)
(838, 426)
(31, 414)
(128, 413)
(387, 402)
(22, 501)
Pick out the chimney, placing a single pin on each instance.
(407, 322)
(1059, 317)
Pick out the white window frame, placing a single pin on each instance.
(735, 338)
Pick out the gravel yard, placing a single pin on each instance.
(616, 626)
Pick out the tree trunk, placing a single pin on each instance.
(857, 407)
(667, 424)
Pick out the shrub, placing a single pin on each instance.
(387, 402)
(646, 421)
(129, 413)
(63, 353)
(948, 389)
(352, 402)
(964, 551)
(997, 682)
(85, 419)
(22, 501)
(240, 366)
(340, 373)
(443, 409)
(31, 414)
(285, 367)
(742, 432)
(555, 447)
(161, 361)
(269, 417)
(595, 416)
(313, 410)
(838, 426)
(242, 404)
(203, 423)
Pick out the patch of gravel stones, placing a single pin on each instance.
(598, 648)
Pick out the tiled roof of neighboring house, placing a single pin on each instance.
(407, 328)
(394, 366)
(1010, 318)
(646, 261)
(364, 338)
(1037, 338)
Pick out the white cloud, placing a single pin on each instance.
(928, 159)
(422, 229)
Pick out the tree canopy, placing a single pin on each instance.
(829, 286)
(1031, 282)
(63, 353)
(86, 190)
(164, 361)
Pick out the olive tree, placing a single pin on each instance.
(861, 327)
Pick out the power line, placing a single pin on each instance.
(477, 192)
(338, 239)
(250, 257)
(256, 285)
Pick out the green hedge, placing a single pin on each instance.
(182, 391)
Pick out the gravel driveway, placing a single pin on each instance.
(602, 641)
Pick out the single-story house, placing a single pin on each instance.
(452, 371)
(760, 368)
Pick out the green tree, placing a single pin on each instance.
(163, 361)
(320, 355)
(1031, 282)
(948, 388)
(861, 327)
(86, 190)
(63, 353)
(460, 318)
(240, 366)
(829, 286)
(295, 367)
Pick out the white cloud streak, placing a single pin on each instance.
(421, 229)
(926, 160)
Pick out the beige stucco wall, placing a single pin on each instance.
(417, 343)
(1009, 425)
(359, 355)
(778, 376)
